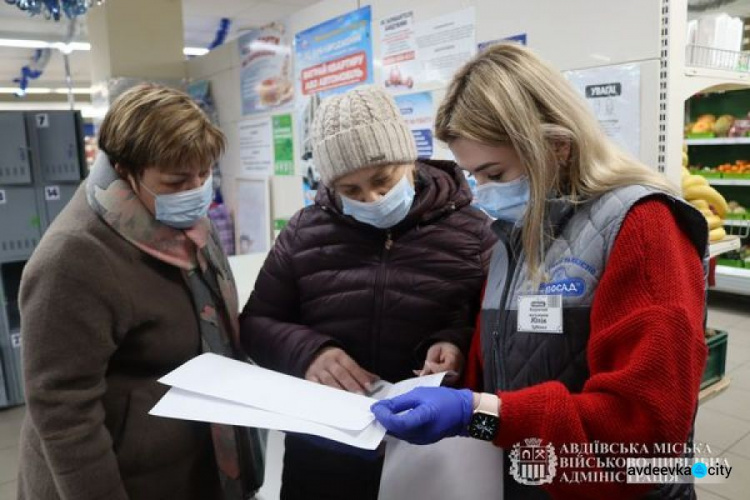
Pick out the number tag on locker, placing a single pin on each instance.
(52, 193)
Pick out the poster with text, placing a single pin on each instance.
(283, 146)
(445, 43)
(425, 52)
(330, 58)
(417, 110)
(614, 94)
(265, 69)
(253, 217)
(256, 147)
(398, 47)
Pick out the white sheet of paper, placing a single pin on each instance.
(238, 393)
(452, 468)
(178, 403)
(268, 390)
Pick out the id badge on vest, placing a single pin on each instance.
(540, 314)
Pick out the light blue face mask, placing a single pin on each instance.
(504, 200)
(184, 209)
(385, 212)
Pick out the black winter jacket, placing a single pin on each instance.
(382, 296)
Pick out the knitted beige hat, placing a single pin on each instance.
(358, 129)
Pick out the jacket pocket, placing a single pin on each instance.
(147, 443)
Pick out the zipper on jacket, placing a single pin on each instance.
(379, 301)
(498, 341)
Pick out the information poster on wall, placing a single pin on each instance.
(614, 94)
(256, 147)
(283, 146)
(417, 110)
(330, 58)
(429, 51)
(398, 45)
(265, 69)
(253, 219)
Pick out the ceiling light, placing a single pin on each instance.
(194, 51)
(73, 46)
(24, 44)
(45, 90)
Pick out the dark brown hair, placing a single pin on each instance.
(152, 125)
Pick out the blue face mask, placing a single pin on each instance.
(184, 209)
(504, 200)
(385, 212)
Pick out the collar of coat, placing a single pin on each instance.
(114, 201)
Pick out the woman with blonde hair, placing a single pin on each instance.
(128, 283)
(591, 330)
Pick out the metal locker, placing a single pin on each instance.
(20, 223)
(10, 331)
(58, 144)
(56, 197)
(3, 393)
(14, 150)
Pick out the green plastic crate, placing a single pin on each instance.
(717, 359)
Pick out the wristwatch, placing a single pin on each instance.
(485, 421)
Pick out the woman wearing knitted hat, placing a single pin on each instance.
(590, 340)
(381, 277)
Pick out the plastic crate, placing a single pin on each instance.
(717, 359)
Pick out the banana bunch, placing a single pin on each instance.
(713, 206)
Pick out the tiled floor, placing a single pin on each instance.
(723, 422)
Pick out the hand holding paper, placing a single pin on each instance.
(426, 414)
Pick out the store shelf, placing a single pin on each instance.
(721, 141)
(726, 245)
(701, 80)
(733, 280)
(737, 223)
(729, 182)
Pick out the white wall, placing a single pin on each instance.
(573, 34)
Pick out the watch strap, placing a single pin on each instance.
(488, 403)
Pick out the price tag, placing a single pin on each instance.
(15, 340)
(540, 314)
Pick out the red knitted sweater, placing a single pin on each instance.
(646, 354)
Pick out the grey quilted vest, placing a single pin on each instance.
(575, 260)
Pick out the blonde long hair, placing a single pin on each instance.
(507, 95)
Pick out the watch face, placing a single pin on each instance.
(483, 426)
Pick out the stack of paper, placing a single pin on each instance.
(212, 388)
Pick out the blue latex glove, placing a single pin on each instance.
(426, 415)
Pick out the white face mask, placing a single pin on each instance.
(184, 209)
(504, 200)
(385, 212)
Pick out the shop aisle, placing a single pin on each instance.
(723, 422)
